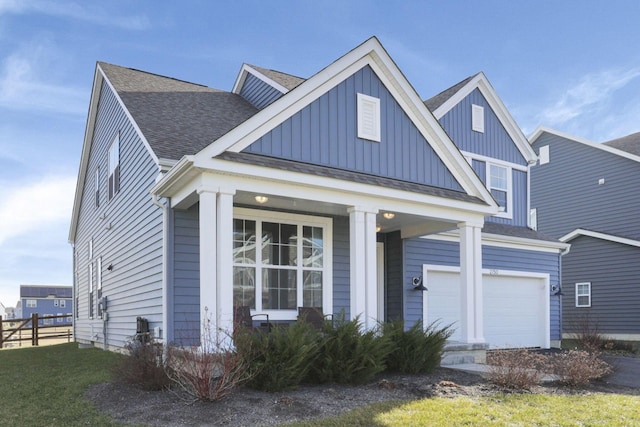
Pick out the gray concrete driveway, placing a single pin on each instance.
(626, 371)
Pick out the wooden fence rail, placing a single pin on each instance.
(29, 329)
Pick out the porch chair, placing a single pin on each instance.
(242, 317)
(313, 316)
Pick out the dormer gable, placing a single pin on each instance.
(261, 86)
(478, 121)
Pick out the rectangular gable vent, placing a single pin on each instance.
(368, 117)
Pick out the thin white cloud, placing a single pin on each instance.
(23, 84)
(76, 11)
(35, 206)
(587, 95)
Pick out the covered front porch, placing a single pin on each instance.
(319, 242)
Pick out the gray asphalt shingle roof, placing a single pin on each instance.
(515, 231)
(629, 143)
(284, 79)
(436, 101)
(178, 118)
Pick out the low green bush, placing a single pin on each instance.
(280, 359)
(347, 354)
(415, 350)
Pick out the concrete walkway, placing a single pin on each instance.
(626, 370)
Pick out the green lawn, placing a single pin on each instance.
(503, 410)
(43, 386)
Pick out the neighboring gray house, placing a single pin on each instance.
(585, 193)
(351, 184)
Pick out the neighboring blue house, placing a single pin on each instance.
(47, 301)
(584, 193)
(351, 184)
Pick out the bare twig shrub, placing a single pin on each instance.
(577, 368)
(210, 371)
(516, 369)
(143, 366)
(587, 334)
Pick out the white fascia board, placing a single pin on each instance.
(540, 130)
(597, 235)
(174, 177)
(247, 69)
(373, 54)
(502, 241)
(131, 120)
(481, 82)
(86, 150)
(261, 179)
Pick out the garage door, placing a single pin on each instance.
(516, 306)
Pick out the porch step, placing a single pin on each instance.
(458, 353)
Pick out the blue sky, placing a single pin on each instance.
(572, 66)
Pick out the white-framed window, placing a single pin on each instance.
(290, 268)
(32, 303)
(90, 249)
(63, 303)
(583, 294)
(97, 187)
(48, 320)
(368, 117)
(543, 155)
(69, 318)
(533, 218)
(499, 184)
(55, 302)
(60, 318)
(477, 118)
(114, 167)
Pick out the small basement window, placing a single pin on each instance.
(583, 294)
(368, 117)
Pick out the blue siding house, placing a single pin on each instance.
(47, 301)
(584, 193)
(356, 189)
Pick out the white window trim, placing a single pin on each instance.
(32, 303)
(477, 118)
(508, 213)
(111, 169)
(582, 295)
(366, 104)
(97, 188)
(327, 269)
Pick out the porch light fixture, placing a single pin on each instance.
(417, 284)
(378, 228)
(262, 199)
(389, 215)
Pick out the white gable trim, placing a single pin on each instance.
(481, 82)
(369, 53)
(503, 241)
(247, 69)
(597, 235)
(96, 91)
(540, 130)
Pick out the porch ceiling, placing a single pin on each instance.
(409, 224)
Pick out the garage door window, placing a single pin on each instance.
(583, 294)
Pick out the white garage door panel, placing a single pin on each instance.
(515, 307)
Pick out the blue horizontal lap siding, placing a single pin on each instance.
(46, 307)
(258, 93)
(613, 269)
(494, 142)
(325, 133)
(419, 251)
(126, 232)
(567, 195)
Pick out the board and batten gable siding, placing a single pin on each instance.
(325, 133)
(613, 269)
(567, 195)
(185, 289)
(126, 232)
(419, 251)
(494, 142)
(258, 93)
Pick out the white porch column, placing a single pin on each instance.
(208, 259)
(471, 312)
(362, 243)
(225, 264)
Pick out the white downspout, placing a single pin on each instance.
(165, 270)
